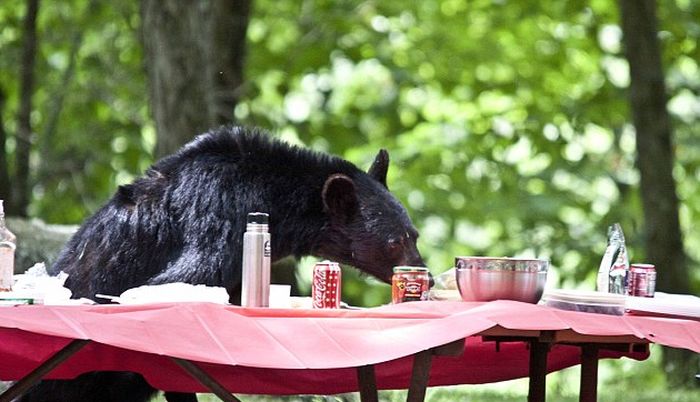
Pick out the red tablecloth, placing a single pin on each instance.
(274, 351)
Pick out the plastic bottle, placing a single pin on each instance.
(614, 268)
(255, 286)
(7, 253)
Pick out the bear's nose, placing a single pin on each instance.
(417, 261)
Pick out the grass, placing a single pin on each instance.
(473, 394)
(618, 381)
(511, 391)
(561, 387)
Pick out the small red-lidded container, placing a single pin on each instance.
(410, 284)
(642, 280)
(325, 287)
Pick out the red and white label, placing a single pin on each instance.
(325, 290)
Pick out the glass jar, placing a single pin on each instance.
(410, 284)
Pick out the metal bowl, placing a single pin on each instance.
(492, 278)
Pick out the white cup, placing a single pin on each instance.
(280, 296)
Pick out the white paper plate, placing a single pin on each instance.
(584, 297)
(665, 304)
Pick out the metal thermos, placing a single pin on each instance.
(255, 286)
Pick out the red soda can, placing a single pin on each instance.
(642, 280)
(325, 288)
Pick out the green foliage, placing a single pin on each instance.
(507, 123)
(90, 108)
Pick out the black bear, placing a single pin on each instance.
(184, 222)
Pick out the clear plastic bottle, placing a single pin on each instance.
(7, 253)
(614, 268)
(255, 285)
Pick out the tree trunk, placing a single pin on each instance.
(21, 190)
(663, 240)
(228, 56)
(55, 109)
(194, 54)
(5, 189)
(57, 101)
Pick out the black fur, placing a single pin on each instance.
(184, 221)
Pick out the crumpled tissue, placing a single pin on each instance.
(37, 285)
(445, 286)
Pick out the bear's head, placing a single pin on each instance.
(368, 227)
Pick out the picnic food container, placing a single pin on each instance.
(410, 284)
(586, 301)
(494, 278)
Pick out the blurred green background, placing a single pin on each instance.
(508, 123)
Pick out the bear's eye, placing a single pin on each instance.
(394, 245)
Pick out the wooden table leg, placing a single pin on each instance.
(589, 373)
(538, 371)
(368, 384)
(420, 376)
(206, 380)
(21, 386)
(455, 348)
(421, 367)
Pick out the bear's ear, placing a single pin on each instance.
(339, 197)
(380, 166)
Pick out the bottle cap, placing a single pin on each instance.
(258, 217)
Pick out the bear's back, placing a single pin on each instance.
(253, 148)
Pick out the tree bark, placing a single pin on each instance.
(194, 54)
(648, 98)
(21, 190)
(229, 32)
(5, 189)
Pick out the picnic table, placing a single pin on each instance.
(207, 347)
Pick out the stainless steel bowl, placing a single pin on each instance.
(493, 278)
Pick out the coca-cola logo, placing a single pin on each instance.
(319, 287)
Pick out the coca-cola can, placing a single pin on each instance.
(325, 288)
(642, 280)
